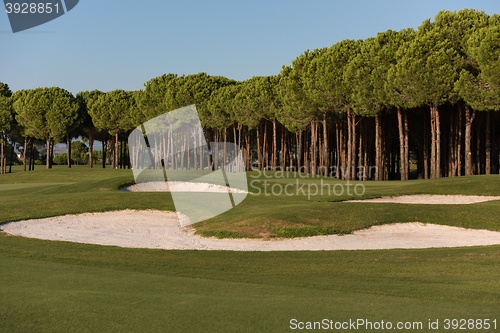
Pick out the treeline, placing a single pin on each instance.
(360, 109)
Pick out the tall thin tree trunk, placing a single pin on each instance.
(305, 148)
(313, 147)
(2, 161)
(47, 162)
(112, 151)
(438, 143)
(283, 147)
(326, 155)
(103, 154)
(402, 145)
(275, 147)
(469, 118)
(337, 162)
(494, 148)
(11, 156)
(91, 147)
(459, 143)
(478, 135)
(299, 152)
(68, 150)
(406, 156)
(117, 151)
(25, 152)
(365, 151)
(349, 145)
(343, 150)
(264, 147)
(433, 141)
(487, 133)
(202, 154)
(378, 148)
(354, 154)
(32, 159)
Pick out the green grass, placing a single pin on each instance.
(48, 286)
(271, 215)
(61, 287)
(60, 191)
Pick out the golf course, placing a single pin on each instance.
(54, 286)
(273, 166)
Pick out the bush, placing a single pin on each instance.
(60, 159)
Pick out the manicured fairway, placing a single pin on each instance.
(50, 286)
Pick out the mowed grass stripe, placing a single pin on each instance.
(41, 295)
(9, 187)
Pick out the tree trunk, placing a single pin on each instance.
(2, 161)
(494, 148)
(299, 152)
(438, 143)
(433, 142)
(366, 156)
(337, 162)
(354, 154)
(91, 147)
(259, 150)
(349, 145)
(406, 156)
(47, 162)
(487, 133)
(264, 147)
(275, 148)
(313, 147)
(68, 150)
(378, 148)
(303, 155)
(32, 158)
(11, 156)
(112, 152)
(326, 155)
(402, 145)
(103, 154)
(201, 143)
(451, 135)
(117, 150)
(459, 143)
(478, 135)
(469, 118)
(283, 148)
(25, 152)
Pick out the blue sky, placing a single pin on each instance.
(121, 44)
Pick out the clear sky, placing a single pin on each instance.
(121, 44)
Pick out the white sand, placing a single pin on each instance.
(162, 230)
(431, 199)
(174, 186)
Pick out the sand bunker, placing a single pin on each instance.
(174, 186)
(431, 199)
(162, 230)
